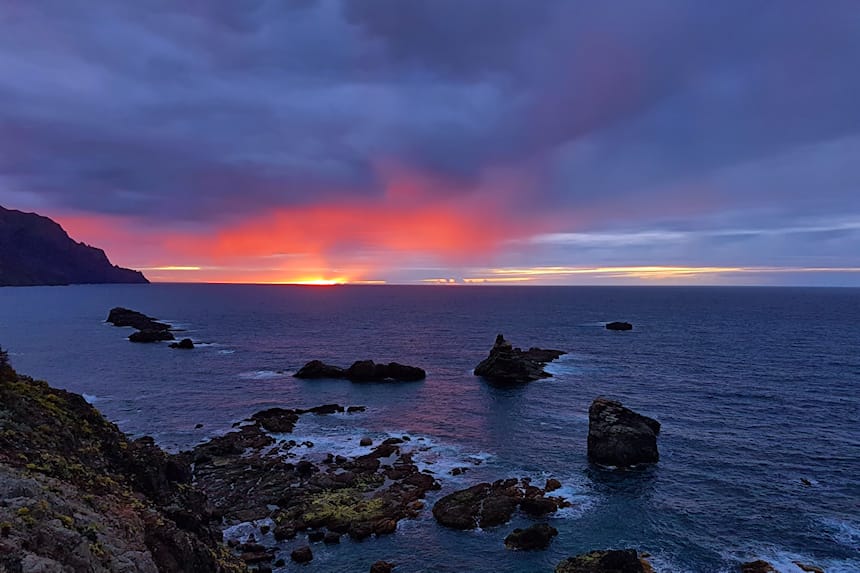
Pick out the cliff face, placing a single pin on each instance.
(34, 250)
(77, 495)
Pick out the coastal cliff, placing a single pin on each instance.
(35, 250)
(78, 495)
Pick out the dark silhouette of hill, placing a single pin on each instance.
(34, 250)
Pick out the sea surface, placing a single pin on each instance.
(757, 389)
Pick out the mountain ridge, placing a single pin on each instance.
(35, 250)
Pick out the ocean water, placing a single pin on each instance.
(757, 389)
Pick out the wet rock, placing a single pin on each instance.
(532, 538)
(509, 365)
(459, 471)
(302, 554)
(552, 484)
(538, 506)
(147, 336)
(282, 533)
(355, 409)
(619, 326)
(365, 442)
(331, 538)
(382, 567)
(618, 436)
(757, 567)
(277, 420)
(184, 344)
(316, 369)
(316, 536)
(613, 561)
(486, 505)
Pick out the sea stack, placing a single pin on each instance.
(618, 436)
(509, 365)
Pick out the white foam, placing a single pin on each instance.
(564, 365)
(90, 398)
(226, 351)
(784, 561)
(843, 532)
(241, 531)
(263, 374)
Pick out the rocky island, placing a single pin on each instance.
(34, 250)
(509, 365)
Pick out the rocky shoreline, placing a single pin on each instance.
(78, 495)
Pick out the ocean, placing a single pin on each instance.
(757, 390)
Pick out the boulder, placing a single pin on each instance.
(619, 326)
(757, 567)
(151, 336)
(365, 442)
(613, 561)
(537, 536)
(184, 344)
(302, 554)
(382, 567)
(316, 369)
(618, 436)
(509, 365)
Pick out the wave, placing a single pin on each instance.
(263, 374)
(90, 398)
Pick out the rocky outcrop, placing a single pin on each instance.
(382, 567)
(619, 326)
(613, 561)
(489, 504)
(34, 250)
(618, 436)
(184, 344)
(148, 328)
(509, 365)
(535, 537)
(78, 496)
(362, 371)
(257, 472)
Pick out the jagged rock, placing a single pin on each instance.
(809, 568)
(552, 484)
(184, 344)
(302, 554)
(382, 567)
(613, 561)
(619, 326)
(757, 567)
(151, 336)
(78, 485)
(486, 505)
(531, 538)
(618, 436)
(509, 365)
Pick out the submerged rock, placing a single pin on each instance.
(509, 365)
(489, 504)
(612, 561)
(531, 538)
(302, 554)
(618, 436)
(362, 371)
(619, 326)
(184, 344)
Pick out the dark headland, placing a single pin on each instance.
(35, 250)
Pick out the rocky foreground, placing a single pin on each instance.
(78, 496)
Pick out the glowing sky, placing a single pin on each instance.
(439, 141)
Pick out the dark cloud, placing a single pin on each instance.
(623, 113)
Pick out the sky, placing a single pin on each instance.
(441, 141)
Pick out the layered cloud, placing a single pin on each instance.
(382, 139)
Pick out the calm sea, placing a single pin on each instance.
(758, 389)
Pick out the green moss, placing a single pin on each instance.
(347, 505)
